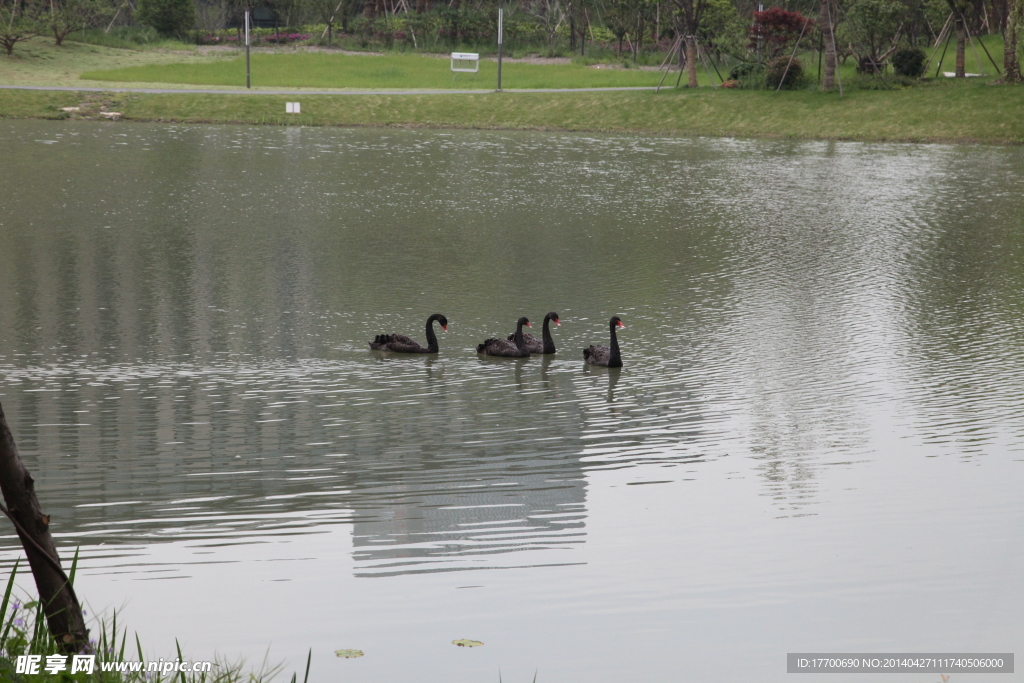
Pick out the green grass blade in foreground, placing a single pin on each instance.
(412, 72)
(6, 601)
(74, 567)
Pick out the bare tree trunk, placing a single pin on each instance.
(961, 48)
(63, 613)
(1011, 62)
(828, 81)
(691, 61)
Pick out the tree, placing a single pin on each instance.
(875, 23)
(688, 15)
(1011, 58)
(617, 17)
(327, 11)
(69, 15)
(827, 21)
(722, 29)
(960, 8)
(777, 30)
(19, 20)
(168, 17)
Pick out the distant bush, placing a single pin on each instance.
(168, 17)
(909, 62)
(781, 70)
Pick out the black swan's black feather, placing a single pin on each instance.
(400, 343)
(607, 357)
(516, 348)
(544, 345)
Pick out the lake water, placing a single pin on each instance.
(816, 443)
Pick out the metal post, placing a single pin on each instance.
(248, 76)
(501, 16)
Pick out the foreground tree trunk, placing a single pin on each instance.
(828, 80)
(63, 613)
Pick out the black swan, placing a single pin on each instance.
(516, 348)
(536, 345)
(402, 344)
(603, 355)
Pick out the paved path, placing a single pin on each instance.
(171, 91)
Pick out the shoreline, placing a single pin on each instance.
(971, 115)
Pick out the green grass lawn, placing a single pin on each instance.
(39, 62)
(398, 71)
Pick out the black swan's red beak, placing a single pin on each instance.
(444, 327)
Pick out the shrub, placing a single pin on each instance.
(168, 17)
(747, 76)
(780, 70)
(909, 61)
(744, 69)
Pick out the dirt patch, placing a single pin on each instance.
(281, 50)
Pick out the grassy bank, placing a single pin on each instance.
(968, 111)
(941, 110)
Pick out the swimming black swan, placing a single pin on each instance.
(402, 344)
(516, 348)
(536, 345)
(603, 355)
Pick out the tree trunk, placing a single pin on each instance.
(829, 80)
(961, 48)
(63, 613)
(691, 61)
(1011, 63)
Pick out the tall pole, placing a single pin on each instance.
(501, 16)
(248, 77)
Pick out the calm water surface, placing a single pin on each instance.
(816, 444)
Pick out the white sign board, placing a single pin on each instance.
(292, 108)
(468, 62)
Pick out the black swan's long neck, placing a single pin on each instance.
(518, 339)
(431, 337)
(549, 343)
(615, 344)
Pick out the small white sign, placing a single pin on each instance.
(292, 108)
(468, 62)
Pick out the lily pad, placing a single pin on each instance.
(467, 643)
(349, 654)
